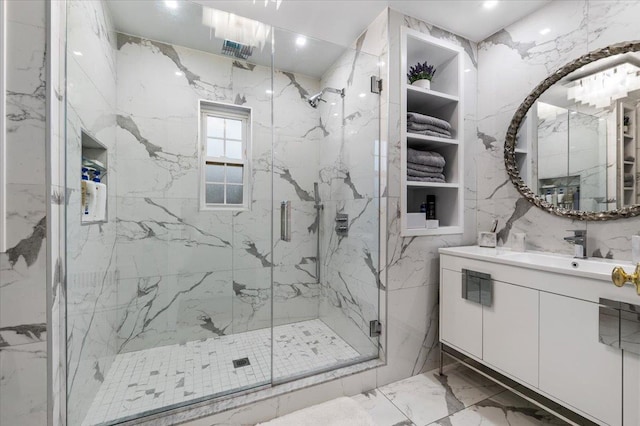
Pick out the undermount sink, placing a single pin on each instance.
(551, 260)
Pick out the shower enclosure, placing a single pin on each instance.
(223, 207)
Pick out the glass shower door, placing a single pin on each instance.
(169, 294)
(326, 206)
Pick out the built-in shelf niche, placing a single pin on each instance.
(444, 100)
(95, 155)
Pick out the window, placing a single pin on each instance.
(225, 143)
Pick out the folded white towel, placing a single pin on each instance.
(337, 412)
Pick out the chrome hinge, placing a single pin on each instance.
(375, 328)
(376, 84)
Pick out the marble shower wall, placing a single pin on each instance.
(349, 184)
(23, 294)
(512, 62)
(188, 274)
(91, 250)
(412, 263)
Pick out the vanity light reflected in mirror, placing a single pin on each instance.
(572, 146)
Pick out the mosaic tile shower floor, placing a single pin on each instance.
(146, 380)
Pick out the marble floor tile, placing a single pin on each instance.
(381, 410)
(428, 397)
(157, 378)
(504, 409)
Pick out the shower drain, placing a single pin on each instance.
(241, 362)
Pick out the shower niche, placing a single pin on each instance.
(432, 127)
(94, 199)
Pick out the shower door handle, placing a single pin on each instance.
(285, 221)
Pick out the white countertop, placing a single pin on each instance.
(595, 268)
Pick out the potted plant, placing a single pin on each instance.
(625, 124)
(421, 74)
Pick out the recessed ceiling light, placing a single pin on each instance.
(362, 95)
(545, 31)
(333, 103)
(179, 73)
(301, 41)
(490, 4)
(268, 92)
(171, 4)
(381, 64)
(467, 70)
(77, 53)
(335, 114)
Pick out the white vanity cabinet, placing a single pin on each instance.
(510, 331)
(542, 330)
(464, 330)
(574, 366)
(631, 388)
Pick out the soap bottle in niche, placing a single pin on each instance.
(547, 196)
(423, 208)
(431, 207)
(569, 199)
(561, 197)
(576, 199)
(84, 195)
(554, 197)
(90, 204)
(101, 199)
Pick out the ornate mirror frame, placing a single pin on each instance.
(521, 112)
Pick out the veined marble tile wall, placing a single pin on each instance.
(23, 295)
(187, 274)
(412, 266)
(512, 62)
(91, 250)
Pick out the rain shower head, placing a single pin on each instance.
(315, 99)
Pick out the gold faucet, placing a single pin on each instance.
(620, 277)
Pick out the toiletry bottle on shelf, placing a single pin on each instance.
(90, 209)
(547, 196)
(569, 199)
(431, 207)
(561, 197)
(554, 197)
(576, 199)
(101, 199)
(423, 208)
(84, 196)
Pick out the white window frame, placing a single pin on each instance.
(3, 127)
(229, 111)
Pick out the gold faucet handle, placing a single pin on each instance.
(620, 277)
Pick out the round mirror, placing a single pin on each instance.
(573, 145)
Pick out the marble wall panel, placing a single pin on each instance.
(91, 250)
(23, 294)
(512, 62)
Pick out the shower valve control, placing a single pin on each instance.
(342, 224)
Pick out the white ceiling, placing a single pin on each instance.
(342, 21)
(336, 21)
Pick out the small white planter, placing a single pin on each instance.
(424, 83)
